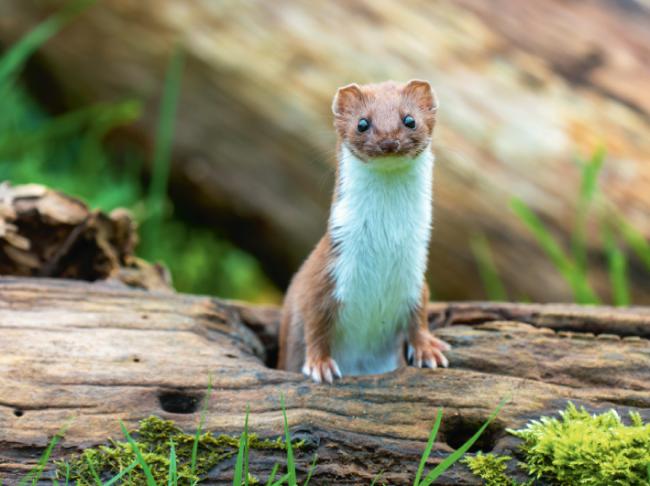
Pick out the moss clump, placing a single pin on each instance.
(153, 438)
(578, 448)
(492, 469)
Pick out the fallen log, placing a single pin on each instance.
(45, 233)
(101, 352)
(524, 87)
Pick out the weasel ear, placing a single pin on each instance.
(346, 97)
(423, 94)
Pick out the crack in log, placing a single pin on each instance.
(35, 408)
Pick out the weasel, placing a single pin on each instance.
(361, 294)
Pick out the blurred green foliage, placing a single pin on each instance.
(69, 153)
(573, 264)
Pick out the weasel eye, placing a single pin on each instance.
(409, 121)
(363, 125)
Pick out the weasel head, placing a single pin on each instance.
(387, 120)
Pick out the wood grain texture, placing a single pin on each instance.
(524, 87)
(102, 352)
(45, 233)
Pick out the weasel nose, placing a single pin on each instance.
(389, 146)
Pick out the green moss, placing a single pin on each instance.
(577, 448)
(491, 468)
(153, 438)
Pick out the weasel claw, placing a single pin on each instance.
(426, 351)
(322, 370)
(430, 363)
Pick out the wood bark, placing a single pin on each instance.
(101, 352)
(44, 233)
(524, 87)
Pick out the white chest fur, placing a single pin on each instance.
(380, 225)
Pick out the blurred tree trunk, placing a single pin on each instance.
(524, 88)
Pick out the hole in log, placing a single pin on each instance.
(272, 356)
(178, 402)
(18, 413)
(136, 360)
(458, 429)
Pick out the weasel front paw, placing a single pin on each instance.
(425, 350)
(319, 370)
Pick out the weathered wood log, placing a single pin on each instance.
(46, 233)
(524, 87)
(100, 352)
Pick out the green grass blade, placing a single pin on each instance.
(138, 454)
(376, 478)
(240, 475)
(458, 453)
(282, 480)
(618, 278)
(636, 241)
(291, 465)
(122, 473)
(93, 472)
(427, 449)
(590, 173)
(543, 236)
(310, 473)
(172, 476)
(162, 153)
(582, 291)
(617, 266)
(36, 473)
(487, 269)
(246, 446)
(274, 472)
(588, 189)
(204, 411)
(15, 58)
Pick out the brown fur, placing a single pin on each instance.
(309, 311)
(385, 105)
(427, 349)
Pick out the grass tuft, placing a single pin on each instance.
(197, 435)
(291, 465)
(157, 197)
(617, 265)
(460, 452)
(240, 475)
(138, 454)
(274, 473)
(577, 279)
(428, 448)
(487, 268)
(588, 191)
(36, 474)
